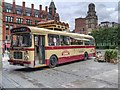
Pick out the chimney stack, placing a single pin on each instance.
(46, 9)
(40, 10)
(23, 7)
(23, 4)
(14, 6)
(32, 9)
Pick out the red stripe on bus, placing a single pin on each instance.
(92, 55)
(66, 47)
(70, 59)
(62, 60)
(19, 62)
(26, 49)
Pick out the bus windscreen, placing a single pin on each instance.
(21, 40)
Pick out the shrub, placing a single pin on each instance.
(112, 47)
(111, 55)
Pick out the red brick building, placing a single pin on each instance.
(87, 24)
(80, 25)
(0, 33)
(16, 16)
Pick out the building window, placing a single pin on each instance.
(89, 25)
(8, 10)
(36, 15)
(11, 27)
(43, 16)
(7, 27)
(29, 21)
(28, 14)
(89, 21)
(19, 20)
(9, 19)
(7, 37)
(18, 12)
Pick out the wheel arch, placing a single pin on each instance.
(54, 55)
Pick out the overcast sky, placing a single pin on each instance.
(70, 9)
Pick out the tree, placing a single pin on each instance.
(107, 36)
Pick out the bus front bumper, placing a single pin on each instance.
(15, 62)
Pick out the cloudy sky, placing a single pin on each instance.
(70, 9)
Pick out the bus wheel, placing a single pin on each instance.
(53, 61)
(85, 56)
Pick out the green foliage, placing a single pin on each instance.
(107, 37)
(111, 54)
(106, 47)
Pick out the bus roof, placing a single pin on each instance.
(47, 31)
(36, 30)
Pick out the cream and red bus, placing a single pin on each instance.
(35, 47)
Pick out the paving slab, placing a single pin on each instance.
(109, 76)
(107, 79)
(89, 83)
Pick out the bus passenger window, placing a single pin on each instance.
(64, 40)
(87, 43)
(53, 40)
(74, 41)
(80, 42)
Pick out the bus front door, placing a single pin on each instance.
(39, 41)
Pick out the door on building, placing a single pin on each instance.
(39, 41)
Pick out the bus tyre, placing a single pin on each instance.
(53, 61)
(86, 56)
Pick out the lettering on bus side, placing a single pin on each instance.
(66, 52)
(92, 50)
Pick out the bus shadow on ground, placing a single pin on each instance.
(72, 62)
(46, 67)
(31, 69)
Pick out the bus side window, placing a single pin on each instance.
(87, 43)
(64, 40)
(76, 42)
(73, 41)
(53, 40)
(80, 42)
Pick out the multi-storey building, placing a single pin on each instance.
(87, 24)
(80, 25)
(0, 35)
(107, 24)
(16, 16)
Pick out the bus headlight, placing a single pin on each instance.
(10, 55)
(26, 57)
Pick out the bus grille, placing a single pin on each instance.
(17, 55)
